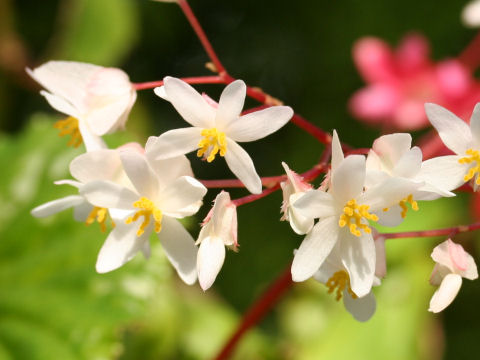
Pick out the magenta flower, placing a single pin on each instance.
(400, 81)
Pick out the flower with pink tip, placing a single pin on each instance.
(400, 81)
(452, 263)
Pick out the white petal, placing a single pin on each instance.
(211, 256)
(388, 193)
(242, 166)
(176, 142)
(390, 148)
(362, 308)
(409, 163)
(121, 246)
(109, 195)
(60, 104)
(168, 170)
(443, 172)
(315, 204)
(348, 179)
(446, 293)
(55, 206)
(81, 212)
(337, 152)
(259, 124)
(140, 173)
(475, 123)
(179, 248)
(91, 141)
(390, 218)
(73, 183)
(160, 92)
(381, 260)
(314, 249)
(179, 195)
(358, 258)
(189, 103)
(299, 223)
(97, 165)
(230, 104)
(453, 131)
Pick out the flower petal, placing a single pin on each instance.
(242, 166)
(60, 104)
(140, 173)
(315, 204)
(103, 164)
(189, 103)
(180, 195)
(314, 249)
(179, 248)
(409, 164)
(453, 131)
(258, 124)
(390, 148)
(55, 206)
(211, 256)
(230, 104)
(168, 170)
(443, 172)
(109, 195)
(81, 212)
(363, 308)
(91, 141)
(388, 193)
(348, 179)
(337, 152)
(176, 142)
(446, 293)
(475, 123)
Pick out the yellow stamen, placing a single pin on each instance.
(403, 205)
(474, 156)
(355, 212)
(340, 280)
(147, 210)
(69, 126)
(213, 142)
(100, 214)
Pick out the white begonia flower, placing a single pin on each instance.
(452, 263)
(96, 99)
(163, 191)
(392, 156)
(293, 188)
(217, 129)
(335, 276)
(471, 14)
(219, 229)
(463, 140)
(344, 212)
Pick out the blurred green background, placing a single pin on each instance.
(52, 303)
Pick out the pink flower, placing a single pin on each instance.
(400, 81)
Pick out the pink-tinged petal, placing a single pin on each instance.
(348, 179)
(441, 255)
(375, 103)
(103, 164)
(189, 103)
(391, 148)
(211, 255)
(299, 185)
(454, 80)
(412, 54)
(218, 219)
(258, 124)
(381, 259)
(109, 195)
(337, 152)
(358, 258)
(179, 195)
(410, 115)
(179, 248)
(242, 166)
(471, 272)
(92, 142)
(388, 193)
(60, 104)
(458, 256)
(443, 172)
(315, 204)
(55, 206)
(121, 246)
(315, 248)
(446, 293)
(409, 164)
(453, 131)
(374, 60)
(176, 142)
(363, 308)
(140, 173)
(475, 124)
(230, 104)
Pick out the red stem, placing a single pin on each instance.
(260, 307)
(189, 80)
(470, 57)
(431, 233)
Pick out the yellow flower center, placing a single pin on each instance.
(100, 214)
(213, 141)
(473, 156)
(353, 215)
(147, 210)
(340, 280)
(69, 126)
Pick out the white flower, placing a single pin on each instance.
(392, 156)
(463, 140)
(293, 188)
(471, 14)
(452, 263)
(96, 99)
(344, 212)
(335, 276)
(217, 129)
(218, 230)
(162, 192)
